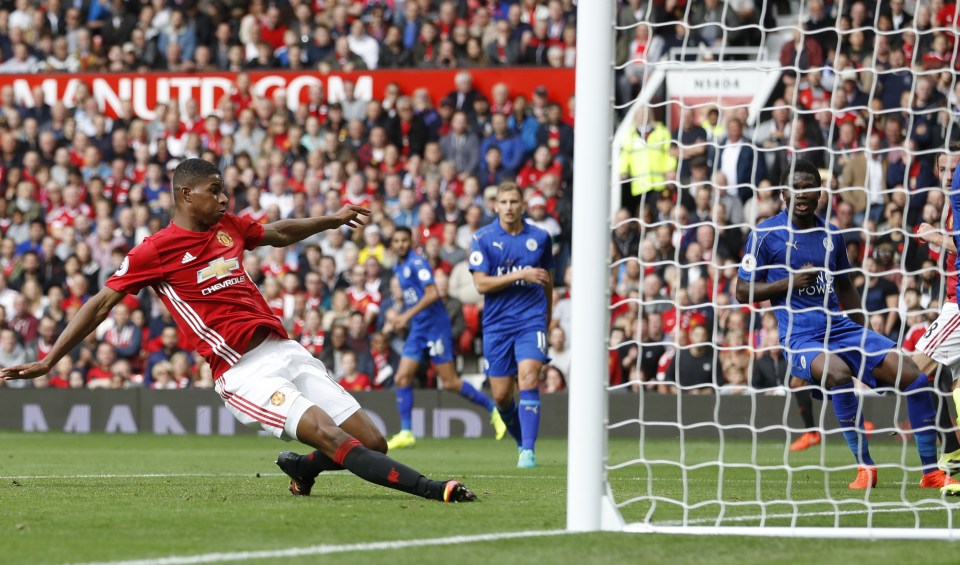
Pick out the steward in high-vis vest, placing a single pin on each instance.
(645, 156)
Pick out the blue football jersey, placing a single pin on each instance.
(521, 305)
(777, 242)
(415, 275)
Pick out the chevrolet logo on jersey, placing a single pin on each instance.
(218, 268)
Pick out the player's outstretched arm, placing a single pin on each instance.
(287, 232)
(490, 283)
(849, 299)
(87, 319)
(936, 236)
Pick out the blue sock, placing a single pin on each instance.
(529, 417)
(405, 406)
(473, 395)
(922, 414)
(512, 420)
(845, 406)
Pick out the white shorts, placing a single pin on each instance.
(276, 382)
(942, 340)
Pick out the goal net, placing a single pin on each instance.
(712, 104)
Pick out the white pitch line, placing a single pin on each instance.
(330, 549)
(137, 476)
(341, 474)
(348, 474)
(799, 515)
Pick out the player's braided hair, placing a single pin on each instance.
(191, 171)
(801, 167)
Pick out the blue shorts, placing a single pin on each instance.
(861, 349)
(502, 352)
(436, 339)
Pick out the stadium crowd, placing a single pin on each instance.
(236, 35)
(81, 189)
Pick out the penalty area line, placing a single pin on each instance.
(330, 549)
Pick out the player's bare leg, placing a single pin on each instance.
(319, 431)
(303, 469)
(403, 388)
(453, 383)
(835, 376)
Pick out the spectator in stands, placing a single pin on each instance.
(739, 161)
(12, 352)
(880, 296)
(100, 373)
(646, 48)
(695, 370)
(691, 141)
(504, 50)
(511, 147)
(461, 145)
(169, 346)
(342, 58)
(553, 380)
(556, 135)
(352, 380)
(537, 216)
(23, 322)
(645, 158)
(161, 377)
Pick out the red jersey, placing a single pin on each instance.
(531, 175)
(99, 373)
(363, 301)
(364, 200)
(950, 261)
(117, 190)
(200, 279)
(64, 216)
(913, 336)
(312, 340)
(43, 348)
(358, 383)
(259, 216)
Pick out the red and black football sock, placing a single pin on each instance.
(312, 464)
(380, 469)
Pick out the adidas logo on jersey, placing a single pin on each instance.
(187, 257)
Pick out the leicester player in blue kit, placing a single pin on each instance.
(800, 264)
(511, 263)
(430, 332)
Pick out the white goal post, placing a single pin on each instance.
(589, 501)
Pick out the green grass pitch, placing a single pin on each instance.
(162, 496)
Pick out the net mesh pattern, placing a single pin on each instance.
(868, 95)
